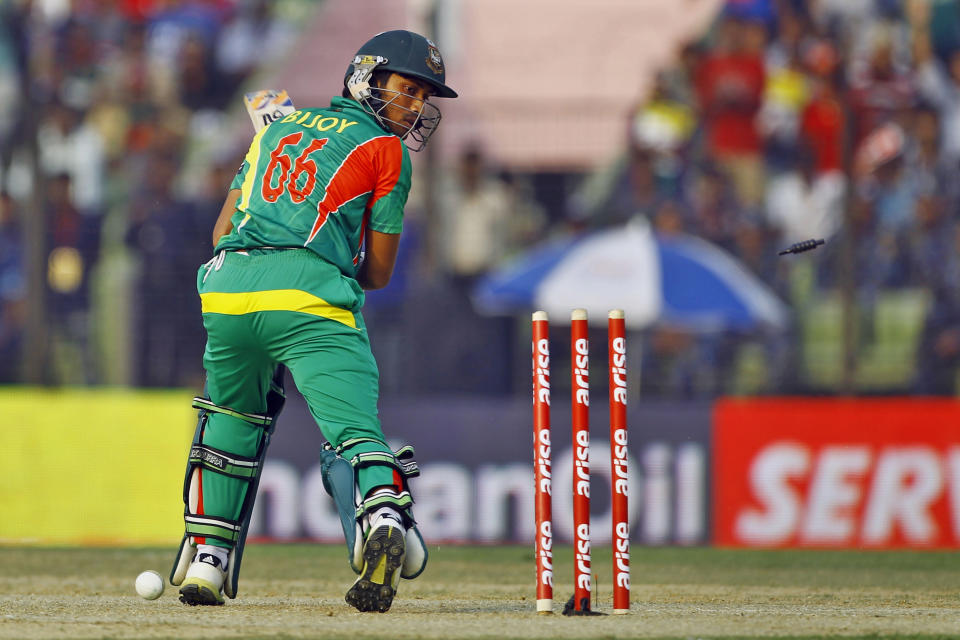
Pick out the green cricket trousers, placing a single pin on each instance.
(264, 307)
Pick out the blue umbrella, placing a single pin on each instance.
(679, 280)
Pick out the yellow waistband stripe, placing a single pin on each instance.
(235, 304)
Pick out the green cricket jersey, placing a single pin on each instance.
(319, 178)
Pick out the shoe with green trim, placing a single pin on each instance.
(204, 582)
(383, 554)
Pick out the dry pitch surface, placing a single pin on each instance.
(296, 591)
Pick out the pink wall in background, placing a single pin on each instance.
(544, 84)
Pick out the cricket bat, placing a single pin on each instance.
(267, 105)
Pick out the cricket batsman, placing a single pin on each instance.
(312, 219)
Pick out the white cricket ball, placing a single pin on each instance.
(149, 585)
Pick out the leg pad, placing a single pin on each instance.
(231, 465)
(340, 481)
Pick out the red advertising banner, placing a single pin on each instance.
(868, 473)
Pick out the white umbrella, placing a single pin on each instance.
(679, 280)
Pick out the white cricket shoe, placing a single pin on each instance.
(203, 584)
(383, 553)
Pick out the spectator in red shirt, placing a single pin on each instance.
(822, 120)
(730, 83)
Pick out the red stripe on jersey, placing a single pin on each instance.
(373, 166)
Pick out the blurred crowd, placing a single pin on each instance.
(761, 132)
(764, 132)
(110, 98)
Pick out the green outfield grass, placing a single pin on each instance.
(296, 591)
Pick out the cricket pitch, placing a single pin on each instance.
(296, 591)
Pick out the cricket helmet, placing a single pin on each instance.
(403, 52)
(408, 54)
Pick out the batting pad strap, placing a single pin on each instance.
(352, 442)
(385, 497)
(212, 527)
(401, 460)
(372, 458)
(224, 463)
(256, 419)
